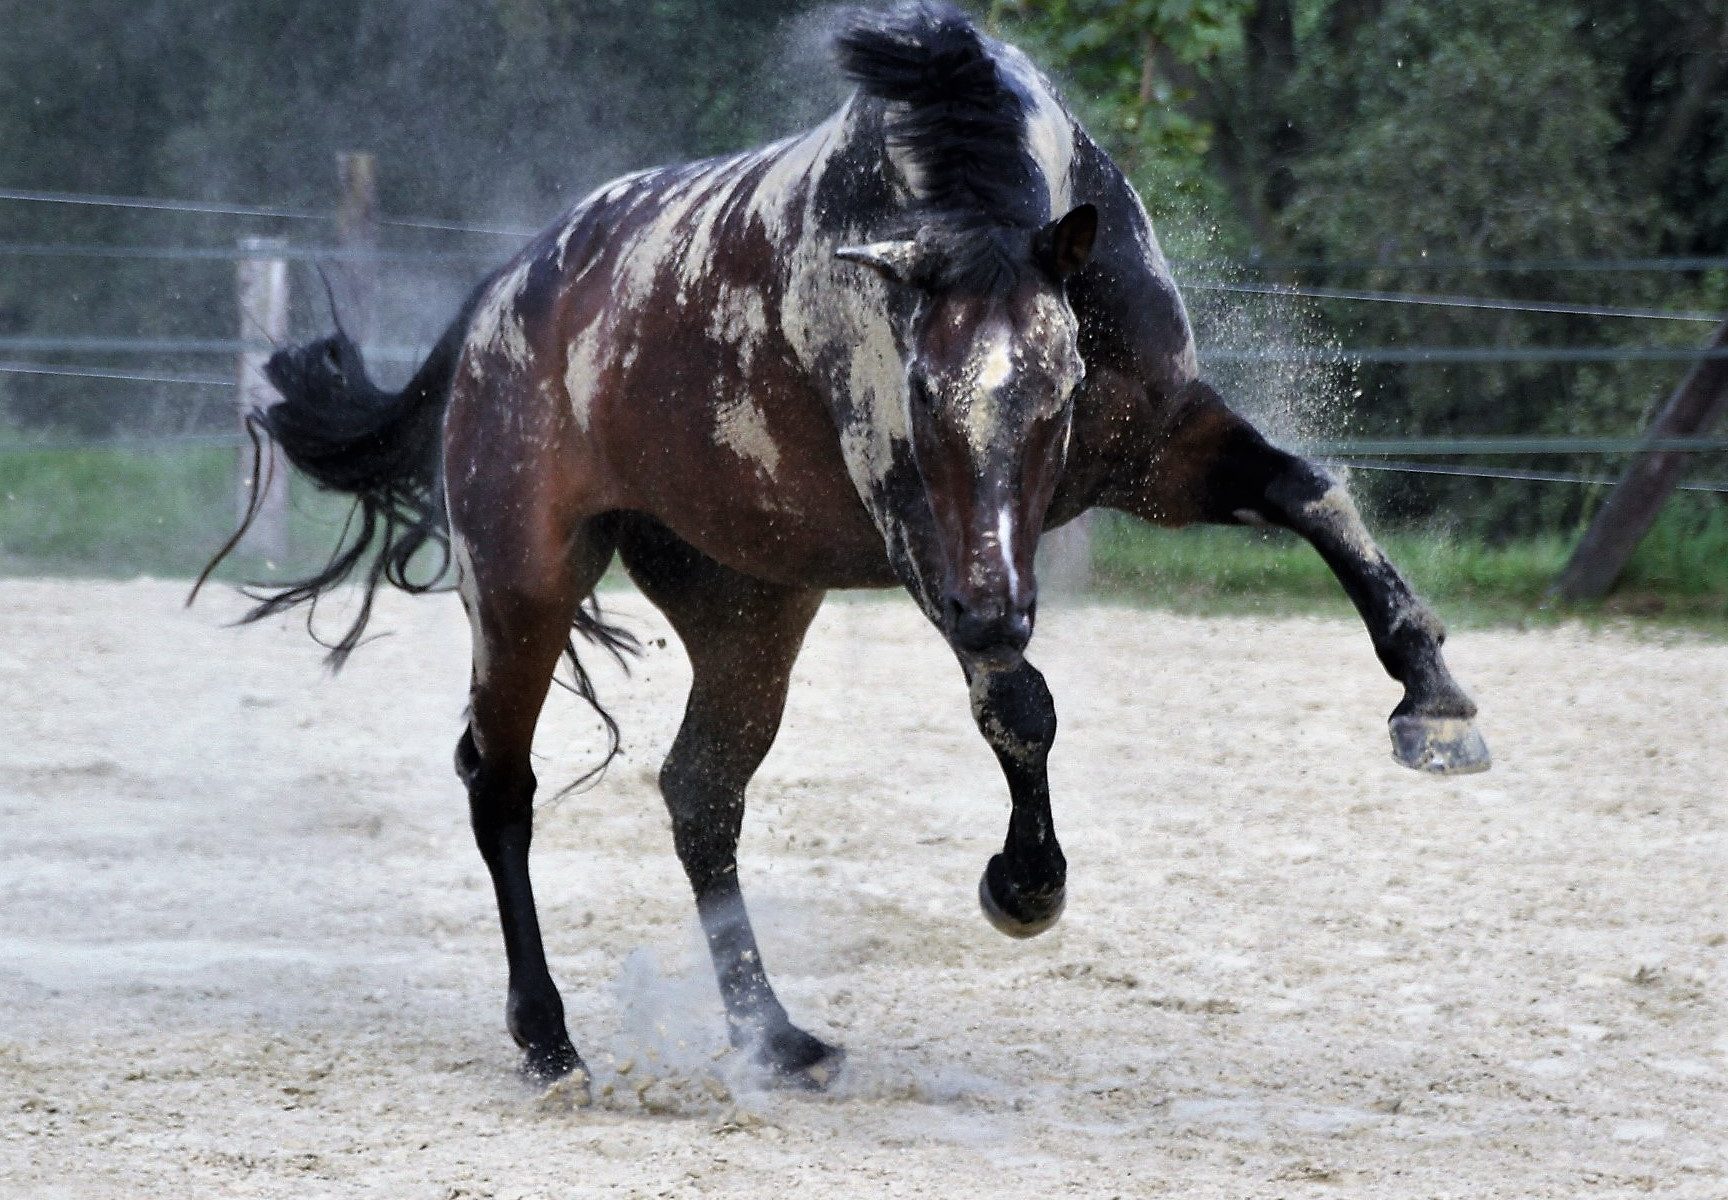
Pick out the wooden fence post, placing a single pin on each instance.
(357, 235)
(262, 291)
(1623, 520)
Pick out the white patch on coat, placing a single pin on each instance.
(1336, 511)
(468, 587)
(582, 371)
(741, 427)
(496, 328)
(838, 311)
(606, 194)
(876, 384)
(1049, 127)
(739, 322)
(795, 164)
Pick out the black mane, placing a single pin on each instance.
(959, 123)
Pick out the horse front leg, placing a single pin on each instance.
(1023, 888)
(742, 636)
(1213, 466)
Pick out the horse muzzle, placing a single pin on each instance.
(987, 625)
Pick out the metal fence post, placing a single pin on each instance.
(357, 235)
(262, 291)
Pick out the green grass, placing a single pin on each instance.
(1679, 574)
(119, 514)
(123, 513)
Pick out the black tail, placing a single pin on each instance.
(383, 448)
(386, 450)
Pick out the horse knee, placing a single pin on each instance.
(1015, 711)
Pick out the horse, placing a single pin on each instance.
(890, 350)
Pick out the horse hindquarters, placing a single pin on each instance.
(1208, 464)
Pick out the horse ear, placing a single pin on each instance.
(1065, 245)
(894, 261)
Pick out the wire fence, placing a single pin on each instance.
(1362, 454)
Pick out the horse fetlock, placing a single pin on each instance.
(535, 1017)
(1020, 909)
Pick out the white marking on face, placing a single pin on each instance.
(1005, 542)
(998, 363)
(1045, 345)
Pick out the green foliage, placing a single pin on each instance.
(1421, 164)
(1130, 66)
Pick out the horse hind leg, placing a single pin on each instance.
(742, 636)
(521, 600)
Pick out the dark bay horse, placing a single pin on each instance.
(891, 350)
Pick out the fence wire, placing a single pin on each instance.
(1348, 453)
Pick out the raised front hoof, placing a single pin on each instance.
(793, 1058)
(1439, 745)
(554, 1062)
(1016, 912)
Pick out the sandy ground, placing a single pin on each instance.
(247, 948)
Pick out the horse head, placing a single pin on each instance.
(992, 363)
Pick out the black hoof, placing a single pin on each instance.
(1019, 913)
(552, 1062)
(797, 1059)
